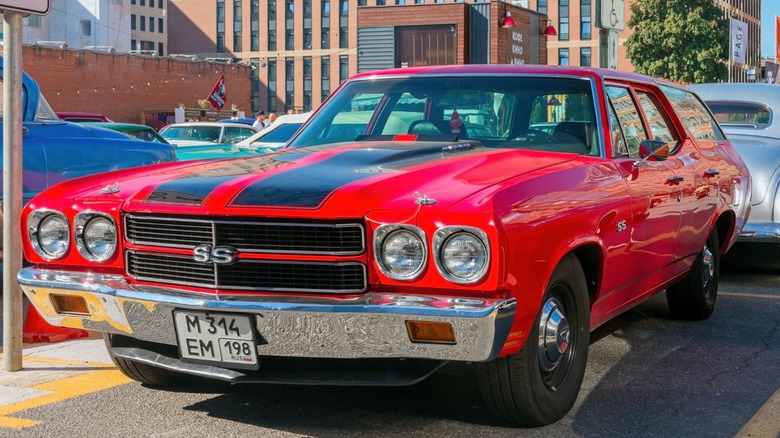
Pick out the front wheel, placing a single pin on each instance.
(141, 372)
(539, 384)
(694, 296)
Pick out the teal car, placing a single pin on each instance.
(141, 132)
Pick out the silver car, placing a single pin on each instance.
(745, 112)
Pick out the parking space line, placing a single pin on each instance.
(102, 377)
(740, 294)
(766, 422)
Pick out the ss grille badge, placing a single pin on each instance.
(220, 254)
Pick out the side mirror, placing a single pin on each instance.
(652, 150)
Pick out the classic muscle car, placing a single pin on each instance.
(414, 220)
(54, 150)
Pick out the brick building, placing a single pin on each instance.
(125, 86)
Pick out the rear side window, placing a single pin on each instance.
(742, 114)
(657, 119)
(693, 114)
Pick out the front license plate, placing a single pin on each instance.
(216, 339)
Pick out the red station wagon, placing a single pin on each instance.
(418, 218)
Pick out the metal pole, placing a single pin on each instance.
(12, 189)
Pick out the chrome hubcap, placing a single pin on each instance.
(553, 335)
(708, 266)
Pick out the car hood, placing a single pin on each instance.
(762, 157)
(332, 181)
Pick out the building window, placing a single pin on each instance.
(160, 47)
(344, 8)
(271, 104)
(585, 57)
(151, 24)
(364, 2)
(132, 21)
(133, 45)
(151, 3)
(254, 37)
(289, 39)
(34, 21)
(307, 83)
(160, 25)
(142, 22)
(132, 2)
(220, 25)
(160, 4)
(143, 2)
(238, 28)
(307, 38)
(325, 77)
(585, 20)
(563, 56)
(325, 44)
(289, 76)
(563, 20)
(271, 24)
(542, 7)
(434, 44)
(343, 37)
(343, 68)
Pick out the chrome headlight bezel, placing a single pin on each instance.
(445, 236)
(385, 232)
(81, 224)
(35, 221)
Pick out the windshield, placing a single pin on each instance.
(743, 114)
(195, 133)
(280, 134)
(551, 113)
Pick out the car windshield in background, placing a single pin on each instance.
(197, 133)
(742, 114)
(552, 114)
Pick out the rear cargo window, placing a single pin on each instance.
(742, 114)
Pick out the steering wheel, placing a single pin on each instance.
(534, 136)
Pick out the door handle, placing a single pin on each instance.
(712, 172)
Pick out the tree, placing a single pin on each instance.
(680, 40)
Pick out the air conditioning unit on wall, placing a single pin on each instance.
(521, 3)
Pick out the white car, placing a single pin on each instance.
(275, 135)
(206, 133)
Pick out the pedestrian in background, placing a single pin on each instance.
(260, 121)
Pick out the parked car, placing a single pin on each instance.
(276, 135)
(414, 220)
(205, 133)
(745, 111)
(54, 151)
(245, 120)
(79, 117)
(141, 132)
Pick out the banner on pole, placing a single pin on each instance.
(738, 40)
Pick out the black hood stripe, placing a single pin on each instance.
(193, 189)
(309, 186)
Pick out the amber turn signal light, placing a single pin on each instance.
(431, 332)
(69, 304)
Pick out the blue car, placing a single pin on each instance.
(54, 150)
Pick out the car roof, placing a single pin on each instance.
(118, 126)
(212, 124)
(80, 115)
(510, 69)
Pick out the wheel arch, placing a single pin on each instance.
(725, 226)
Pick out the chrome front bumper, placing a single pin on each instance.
(369, 326)
(760, 232)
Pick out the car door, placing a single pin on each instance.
(655, 215)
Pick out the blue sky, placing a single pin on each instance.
(769, 10)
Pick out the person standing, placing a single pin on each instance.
(260, 121)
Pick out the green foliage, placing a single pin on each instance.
(680, 40)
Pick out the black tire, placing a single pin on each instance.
(538, 386)
(694, 297)
(143, 373)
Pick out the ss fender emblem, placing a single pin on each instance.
(220, 254)
(621, 225)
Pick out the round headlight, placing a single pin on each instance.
(462, 254)
(95, 236)
(400, 251)
(49, 234)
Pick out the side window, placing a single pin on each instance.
(629, 118)
(618, 141)
(693, 114)
(657, 119)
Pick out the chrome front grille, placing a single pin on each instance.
(247, 236)
(300, 269)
